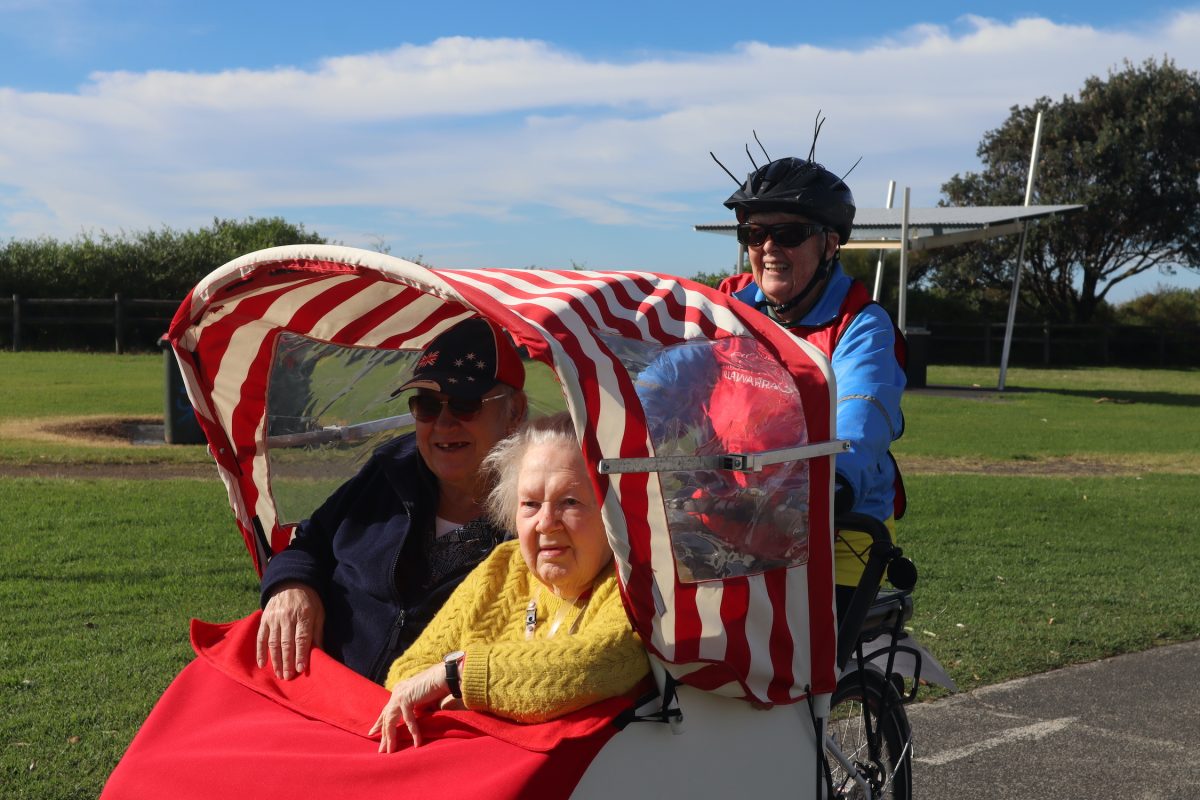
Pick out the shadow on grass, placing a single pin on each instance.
(986, 394)
(1118, 396)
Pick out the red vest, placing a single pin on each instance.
(826, 337)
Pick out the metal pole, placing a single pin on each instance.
(1033, 160)
(902, 302)
(879, 264)
(119, 323)
(1016, 284)
(16, 321)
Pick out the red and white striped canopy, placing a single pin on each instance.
(766, 635)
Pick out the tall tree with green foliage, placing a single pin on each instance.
(1128, 147)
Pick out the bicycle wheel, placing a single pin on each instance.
(868, 725)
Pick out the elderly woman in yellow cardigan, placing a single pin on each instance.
(537, 630)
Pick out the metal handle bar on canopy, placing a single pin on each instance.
(734, 462)
(340, 433)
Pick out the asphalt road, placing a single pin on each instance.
(1125, 728)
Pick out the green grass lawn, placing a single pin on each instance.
(1019, 573)
(1149, 416)
(99, 581)
(65, 383)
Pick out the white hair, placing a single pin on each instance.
(503, 463)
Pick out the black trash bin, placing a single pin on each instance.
(918, 356)
(179, 418)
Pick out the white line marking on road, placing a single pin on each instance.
(1033, 732)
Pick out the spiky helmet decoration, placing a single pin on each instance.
(797, 186)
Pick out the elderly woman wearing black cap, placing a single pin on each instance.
(376, 561)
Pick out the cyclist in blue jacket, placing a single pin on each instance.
(793, 215)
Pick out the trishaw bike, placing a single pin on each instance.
(290, 355)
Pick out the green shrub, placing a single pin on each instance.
(159, 264)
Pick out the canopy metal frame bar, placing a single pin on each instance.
(733, 462)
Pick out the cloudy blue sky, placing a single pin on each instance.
(490, 134)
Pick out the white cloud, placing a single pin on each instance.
(494, 127)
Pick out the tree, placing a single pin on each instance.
(712, 279)
(1167, 307)
(1129, 148)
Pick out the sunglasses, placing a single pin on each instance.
(785, 234)
(427, 408)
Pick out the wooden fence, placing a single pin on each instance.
(1075, 344)
(1034, 344)
(120, 315)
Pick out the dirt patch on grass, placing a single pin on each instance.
(912, 465)
(117, 437)
(1069, 467)
(96, 431)
(127, 472)
(112, 432)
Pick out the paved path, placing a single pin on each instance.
(1126, 728)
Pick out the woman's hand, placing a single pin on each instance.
(292, 624)
(424, 689)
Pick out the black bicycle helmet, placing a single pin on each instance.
(797, 186)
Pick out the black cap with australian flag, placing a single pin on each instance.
(467, 361)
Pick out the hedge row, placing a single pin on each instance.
(154, 265)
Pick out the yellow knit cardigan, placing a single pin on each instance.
(529, 680)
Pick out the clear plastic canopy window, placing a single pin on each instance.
(708, 397)
(330, 407)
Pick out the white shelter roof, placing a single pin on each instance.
(879, 228)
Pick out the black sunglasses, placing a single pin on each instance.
(427, 408)
(785, 234)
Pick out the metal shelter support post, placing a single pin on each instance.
(902, 301)
(1016, 284)
(891, 195)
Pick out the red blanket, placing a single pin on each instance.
(225, 728)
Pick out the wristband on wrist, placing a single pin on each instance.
(454, 663)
